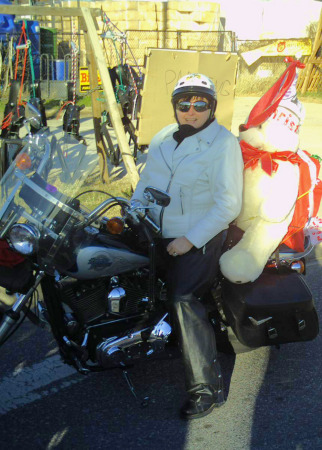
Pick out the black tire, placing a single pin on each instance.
(25, 313)
(112, 152)
(116, 156)
(35, 318)
(131, 131)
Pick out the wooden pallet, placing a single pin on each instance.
(310, 79)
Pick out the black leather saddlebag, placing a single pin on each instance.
(274, 309)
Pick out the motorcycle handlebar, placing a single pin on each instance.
(149, 222)
(136, 214)
(139, 214)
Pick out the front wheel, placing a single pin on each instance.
(10, 320)
(14, 311)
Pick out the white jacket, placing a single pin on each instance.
(203, 176)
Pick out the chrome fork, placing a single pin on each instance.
(13, 314)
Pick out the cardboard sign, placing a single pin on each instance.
(284, 47)
(164, 68)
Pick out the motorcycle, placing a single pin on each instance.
(126, 83)
(14, 119)
(71, 118)
(92, 274)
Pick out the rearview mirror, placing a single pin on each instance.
(33, 115)
(155, 195)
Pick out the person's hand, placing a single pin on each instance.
(179, 246)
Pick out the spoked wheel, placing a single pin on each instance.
(113, 151)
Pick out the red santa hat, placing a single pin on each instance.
(282, 93)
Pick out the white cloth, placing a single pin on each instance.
(203, 176)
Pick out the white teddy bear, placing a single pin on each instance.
(280, 181)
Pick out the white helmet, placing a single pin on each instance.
(195, 84)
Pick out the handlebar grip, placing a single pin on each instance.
(149, 222)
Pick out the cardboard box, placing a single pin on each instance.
(164, 68)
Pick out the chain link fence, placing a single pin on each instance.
(255, 79)
(215, 41)
(50, 56)
(46, 57)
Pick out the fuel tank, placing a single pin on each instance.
(100, 261)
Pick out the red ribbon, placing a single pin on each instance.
(269, 102)
(252, 157)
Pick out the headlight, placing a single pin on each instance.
(24, 238)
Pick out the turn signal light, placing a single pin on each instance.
(115, 225)
(23, 161)
(298, 266)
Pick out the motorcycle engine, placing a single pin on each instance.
(118, 315)
(91, 300)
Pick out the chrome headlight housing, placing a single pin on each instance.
(24, 238)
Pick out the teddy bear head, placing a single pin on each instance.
(274, 122)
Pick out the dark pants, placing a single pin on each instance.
(188, 278)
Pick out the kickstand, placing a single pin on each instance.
(126, 375)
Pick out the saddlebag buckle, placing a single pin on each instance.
(272, 333)
(301, 324)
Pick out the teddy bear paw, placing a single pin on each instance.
(239, 266)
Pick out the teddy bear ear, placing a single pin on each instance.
(285, 86)
(242, 128)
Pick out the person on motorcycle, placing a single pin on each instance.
(199, 163)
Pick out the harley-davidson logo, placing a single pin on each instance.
(99, 262)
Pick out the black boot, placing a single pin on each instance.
(203, 399)
(198, 344)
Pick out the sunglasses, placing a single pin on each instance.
(199, 106)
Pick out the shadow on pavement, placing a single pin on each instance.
(288, 409)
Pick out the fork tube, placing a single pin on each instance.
(12, 315)
(23, 298)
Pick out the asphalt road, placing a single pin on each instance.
(273, 399)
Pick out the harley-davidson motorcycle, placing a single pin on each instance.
(92, 274)
(13, 121)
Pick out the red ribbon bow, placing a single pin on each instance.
(253, 156)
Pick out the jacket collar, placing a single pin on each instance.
(189, 145)
(208, 135)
